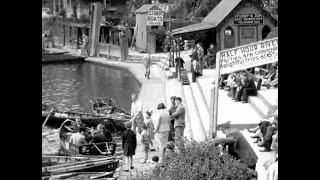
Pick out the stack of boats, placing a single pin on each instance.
(88, 161)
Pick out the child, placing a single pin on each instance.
(146, 141)
(150, 127)
(155, 169)
(129, 144)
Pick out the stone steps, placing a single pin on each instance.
(201, 104)
(265, 103)
(262, 156)
(193, 112)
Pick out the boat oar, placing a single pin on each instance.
(99, 149)
(47, 117)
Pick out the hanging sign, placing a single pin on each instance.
(250, 55)
(248, 19)
(154, 18)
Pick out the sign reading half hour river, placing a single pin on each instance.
(155, 18)
(250, 55)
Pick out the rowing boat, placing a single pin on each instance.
(107, 106)
(96, 150)
(111, 121)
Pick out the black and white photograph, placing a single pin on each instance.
(159, 89)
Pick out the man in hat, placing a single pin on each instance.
(238, 146)
(179, 116)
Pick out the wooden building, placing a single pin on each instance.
(233, 23)
(148, 18)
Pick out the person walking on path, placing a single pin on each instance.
(84, 47)
(162, 128)
(136, 114)
(179, 116)
(150, 126)
(238, 146)
(129, 144)
(147, 62)
(145, 141)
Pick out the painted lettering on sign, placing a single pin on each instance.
(154, 18)
(247, 56)
(248, 19)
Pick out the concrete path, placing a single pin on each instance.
(151, 94)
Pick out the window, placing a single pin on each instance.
(265, 31)
(247, 33)
(228, 37)
(154, 27)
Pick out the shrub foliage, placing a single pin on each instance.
(200, 160)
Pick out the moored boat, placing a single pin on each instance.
(107, 106)
(56, 118)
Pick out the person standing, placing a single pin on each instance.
(145, 142)
(136, 114)
(84, 47)
(171, 111)
(200, 56)
(150, 126)
(129, 144)
(238, 146)
(147, 62)
(162, 127)
(179, 116)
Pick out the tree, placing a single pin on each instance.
(269, 5)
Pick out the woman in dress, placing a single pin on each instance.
(150, 126)
(129, 144)
(162, 127)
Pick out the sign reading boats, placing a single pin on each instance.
(155, 18)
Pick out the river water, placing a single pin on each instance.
(72, 85)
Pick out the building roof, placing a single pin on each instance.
(213, 19)
(147, 7)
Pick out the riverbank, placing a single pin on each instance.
(159, 89)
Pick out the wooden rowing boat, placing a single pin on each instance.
(88, 150)
(108, 107)
(112, 122)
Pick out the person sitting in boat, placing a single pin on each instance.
(79, 124)
(78, 138)
(99, 138)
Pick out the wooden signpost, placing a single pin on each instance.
(240, 58)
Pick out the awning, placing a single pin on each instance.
(192, 28)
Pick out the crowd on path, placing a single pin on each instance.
(168, 125)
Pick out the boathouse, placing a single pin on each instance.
(232, 23)
(149, 18)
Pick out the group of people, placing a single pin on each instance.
(238, 85)
(168, 125)
(82, 135)
(200, 60)
(266, 137)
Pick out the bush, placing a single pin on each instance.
(200, 160)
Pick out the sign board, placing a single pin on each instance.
(250, 55)
(248, 19)
(154, 18)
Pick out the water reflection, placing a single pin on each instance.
(73, 85)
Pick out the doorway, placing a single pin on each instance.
(247, 35)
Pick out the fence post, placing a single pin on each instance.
(64, 35)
